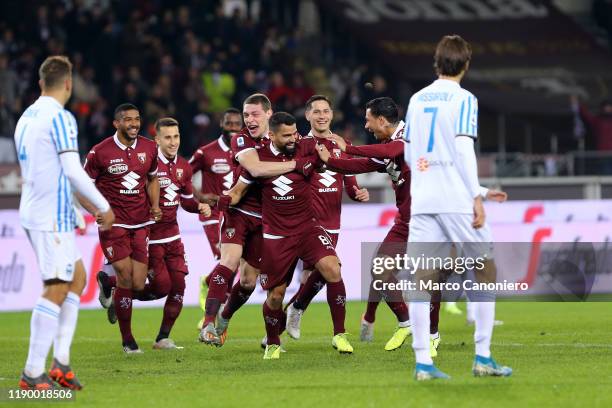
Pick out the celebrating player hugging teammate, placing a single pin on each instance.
(241, 228)
(291, 231)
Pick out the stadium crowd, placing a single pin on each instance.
(190, 61)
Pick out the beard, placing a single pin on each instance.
(288, 150)
(227, 133)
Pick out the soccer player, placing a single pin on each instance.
(241, 229)
(291, 231)
(215, 162)
(46, 140)
(441, 128)
(327, 188)
(124, 168)
(166, 252)
(382, 119)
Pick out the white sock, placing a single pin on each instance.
(485, 317)
(471, 312)
(43, 327)
(434, 335)
(67, 325)
(404, 324)
(419, 317)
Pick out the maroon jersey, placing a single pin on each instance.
(174, 188)
(243, 142)
(327, 190)
(385, 157)
(286, 199)
(120, 173)
(215, 162)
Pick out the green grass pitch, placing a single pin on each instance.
(561, 354)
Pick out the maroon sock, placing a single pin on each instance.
(296, 294)
(336, 298)
(216, 292)
(283, 323)
(400, 310)
(173, 306)
(123, 308)
(238, 297)
(313, 285)
(374, 298)
(273, 320)
(112, 280)
(207, 279)
(434, 317)
(157, 288)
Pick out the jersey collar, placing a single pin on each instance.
(447, 82)
(51, 100)
(222, 144)
(121, 145)
(398, 129)
(163, 158)
(274, 150)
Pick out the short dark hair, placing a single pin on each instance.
(315, 98)
(124, 107)
(231, 111)
(259, 99)
(54, 70)
(385, 107)
(452, 55)
(165, 122)
(281, 118)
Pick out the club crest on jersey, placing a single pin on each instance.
(109, 250)
(179, 173)
(337, 153)
(422, 164)
(230, 232)
(142, 157)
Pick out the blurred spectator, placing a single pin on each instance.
(8, 84)
(279, 93)
(599, 124)
(219, 86)
(7, 124)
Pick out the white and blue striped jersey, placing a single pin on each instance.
(436, 115)
(44, 131)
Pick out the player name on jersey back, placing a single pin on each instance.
(436, 115)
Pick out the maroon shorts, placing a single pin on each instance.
(168, 257)
(244, 230)
(395, 241)
(118, 243)
(280, 255)
(334, 239)
(211, 228)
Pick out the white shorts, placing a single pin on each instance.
(56, 253)
(450, 228)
